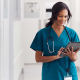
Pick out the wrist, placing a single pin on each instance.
(57, 57)
(74, 58)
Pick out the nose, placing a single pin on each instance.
(63, 19)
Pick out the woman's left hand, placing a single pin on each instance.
(72, 55)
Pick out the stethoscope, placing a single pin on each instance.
(53, 45)
(53, 40)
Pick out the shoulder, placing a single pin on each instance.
(43, 30)
(72, 33)
(70, 30)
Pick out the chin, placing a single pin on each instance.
(61, 24)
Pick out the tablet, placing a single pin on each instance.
(75, 45)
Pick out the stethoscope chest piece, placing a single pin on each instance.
(48, 44)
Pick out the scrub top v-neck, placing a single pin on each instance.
(55, 70)
(56, 33)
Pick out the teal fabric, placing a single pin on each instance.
(55, 70)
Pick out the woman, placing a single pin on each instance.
(55, 67)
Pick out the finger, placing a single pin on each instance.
(68, 49)
(60, 48)
(60, 56)
(59, 52)
(77, 50)
(64, 53)
(71, 49)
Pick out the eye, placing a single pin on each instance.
(60, 16)
(66, 16)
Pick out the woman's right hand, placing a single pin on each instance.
(59, 52)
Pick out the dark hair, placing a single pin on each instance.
(57, 7)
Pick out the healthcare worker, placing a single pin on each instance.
(49, 43)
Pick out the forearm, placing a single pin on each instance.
(46, 58)
(73, 59)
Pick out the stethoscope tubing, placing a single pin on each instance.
(52, 38)
(53, 46)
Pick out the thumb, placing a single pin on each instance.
(64, 53)
(61, 49)
(59, 52)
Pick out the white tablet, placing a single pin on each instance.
(75, 45)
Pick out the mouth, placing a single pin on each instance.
(61, 22)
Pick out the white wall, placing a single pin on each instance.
(26, 28)
(76, 25)
(30, 30)
(1, 41)
(1, 53)
(18, 45)
(18, 49)
(6, 41)
(32, 25)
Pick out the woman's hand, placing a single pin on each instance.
(59, 52)
(72, 55)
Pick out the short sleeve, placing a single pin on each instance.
(75, 38)
(37, 43)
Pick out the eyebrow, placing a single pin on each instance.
(61, 14)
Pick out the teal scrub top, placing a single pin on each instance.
(55, 70)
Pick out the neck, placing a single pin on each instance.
(56, 27)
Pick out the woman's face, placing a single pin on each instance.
(62, 17)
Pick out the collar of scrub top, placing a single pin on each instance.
(53, 40)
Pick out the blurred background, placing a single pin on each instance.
(20, 20)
